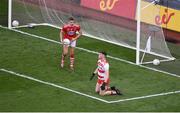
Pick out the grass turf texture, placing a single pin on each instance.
(113, 50)
(40, 59)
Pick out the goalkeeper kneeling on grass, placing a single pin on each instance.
(102, 70)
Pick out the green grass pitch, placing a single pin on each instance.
(40, 59)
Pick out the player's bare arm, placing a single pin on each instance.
(79, 34)
(61, 35)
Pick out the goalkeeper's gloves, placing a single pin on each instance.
(92, 76)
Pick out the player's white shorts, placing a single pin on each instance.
(72, 43)
(69, 43)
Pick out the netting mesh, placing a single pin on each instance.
(109, 26)
(152, 37)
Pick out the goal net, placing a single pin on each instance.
(113, 21)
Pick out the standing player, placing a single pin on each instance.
(102, 70)
(68, 36)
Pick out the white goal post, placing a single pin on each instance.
(138, 32)
(9, 14)
(130, 32)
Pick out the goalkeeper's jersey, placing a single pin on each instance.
(103, 67)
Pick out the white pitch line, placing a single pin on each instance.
(86, 95)
(54, 41)
(52, 84)
(89, 51)
(148, 96)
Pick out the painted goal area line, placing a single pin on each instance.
(90, 51)
(83, 94)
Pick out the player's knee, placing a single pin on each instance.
(65, 54)
(102, 93)
(72, 55)
(97, 91)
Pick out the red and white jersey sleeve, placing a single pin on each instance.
(103, 68)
